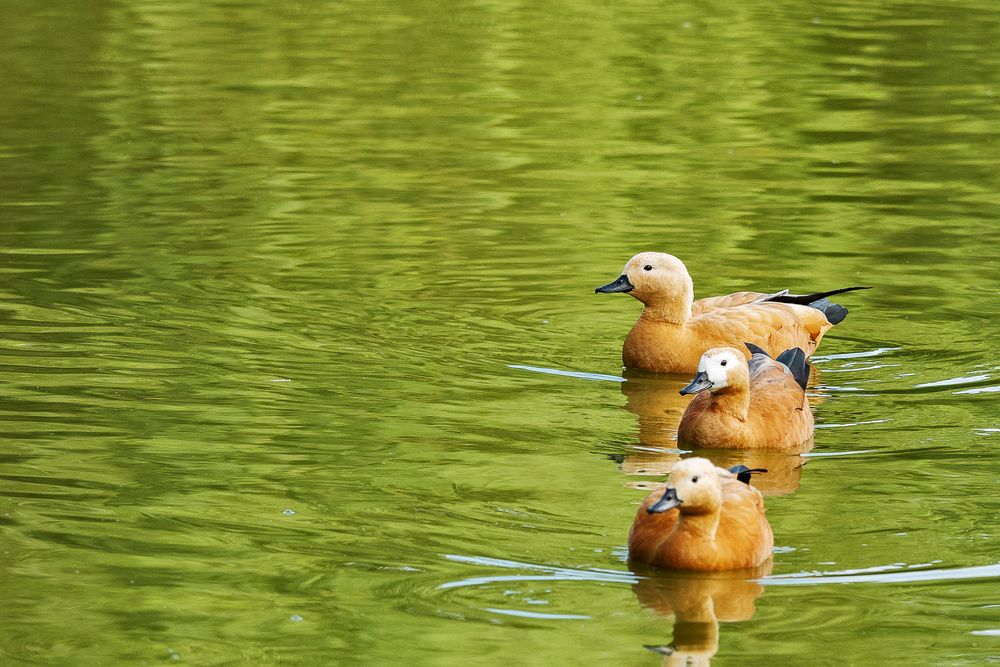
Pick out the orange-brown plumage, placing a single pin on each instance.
(718, 522)
(741, 406)
(674, 330)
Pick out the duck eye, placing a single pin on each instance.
(722, 363)
(648, 267)
(694, 480)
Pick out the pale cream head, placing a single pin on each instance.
(659, 278)
(696, 483)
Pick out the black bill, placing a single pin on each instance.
(622, 284)
(699, 383)
(667, 502)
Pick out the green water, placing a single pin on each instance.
(272, 271)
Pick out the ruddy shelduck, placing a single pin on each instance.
(760, 404)
(707, 518)
(674, 330)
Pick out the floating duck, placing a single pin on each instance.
(656, 401)
(760, 404)
(674, 330)
(707, 518)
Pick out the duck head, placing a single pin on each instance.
(693, 486)
(720, 368)
(658, 280)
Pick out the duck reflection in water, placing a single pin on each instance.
(698, 602)
(656, 400)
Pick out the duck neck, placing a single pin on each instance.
(733, 401)
(669, 310)
(670, 301)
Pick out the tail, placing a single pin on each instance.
(795, 359)
(834, 312)
(744, 473)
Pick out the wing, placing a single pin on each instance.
(775, 327)
(743, 527)
(759, 359)
(727, 301)
(779, 411)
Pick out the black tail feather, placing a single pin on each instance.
(744, 473)
(834, 312)
(795, 359)
(755, 349)
(809, 299)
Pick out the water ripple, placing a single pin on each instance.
(553, 573)
(575, 374)
(820, 358)
(537, 615)
(893, 573)
(846, 424)
(828, 454)
(953, 381)
(980, 390)
(896, 573)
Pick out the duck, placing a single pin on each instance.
(656, 401)
(674, 330)
(760, 404)
(707, 518)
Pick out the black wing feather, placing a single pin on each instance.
(795, 359)
(758, 357)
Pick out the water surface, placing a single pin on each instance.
(302, 361)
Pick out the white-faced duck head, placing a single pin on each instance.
(718, 368)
